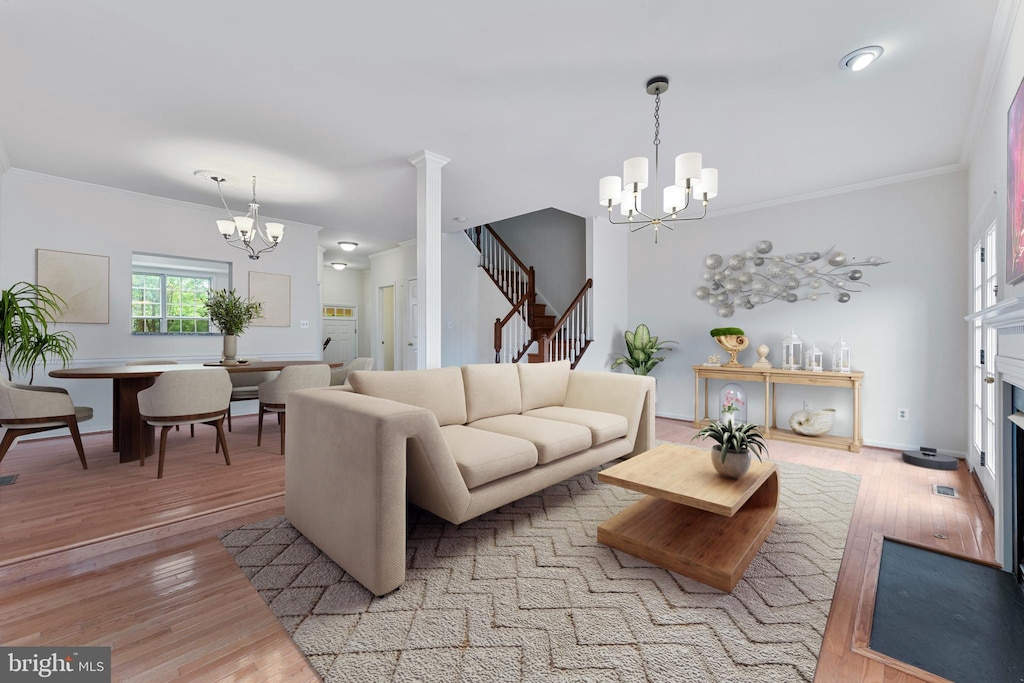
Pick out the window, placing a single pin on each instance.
(169, 293)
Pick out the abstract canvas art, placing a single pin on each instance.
(275, 293)
(1015, 188)
(82, 280)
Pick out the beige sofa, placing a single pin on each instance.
(455, 441)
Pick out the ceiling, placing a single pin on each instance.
(532, 101)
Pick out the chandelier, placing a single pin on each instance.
(692, 181)
(241, 231)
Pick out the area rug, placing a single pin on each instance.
(525, 593)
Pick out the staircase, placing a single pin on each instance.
(529, 321)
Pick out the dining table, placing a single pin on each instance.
(131, 435)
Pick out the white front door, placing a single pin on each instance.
(983, 456)
(341, 334)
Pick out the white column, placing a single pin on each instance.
(428, 256)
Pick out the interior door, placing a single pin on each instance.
(412, 342)
(342, 336)
(386, 345)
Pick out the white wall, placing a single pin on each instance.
(554, 243)
(470, 302)
(906, 330)
(607, 264)
(53, 213)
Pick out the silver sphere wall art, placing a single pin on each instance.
(756, 277)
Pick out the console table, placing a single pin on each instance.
(769, 378)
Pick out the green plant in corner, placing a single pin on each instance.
(641, 347)
(27, 312)
(230, 312)
(734, 437)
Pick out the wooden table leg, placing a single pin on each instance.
(135, 435)
(855, 446)
(115, 431)
(696, 398)
(768, 409)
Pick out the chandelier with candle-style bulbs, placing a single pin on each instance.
(242, 231)
(691, 182)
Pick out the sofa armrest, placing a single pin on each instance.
(631, 396)
(345, 478)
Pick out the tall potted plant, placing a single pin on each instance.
(641, 347)
(736, 441)
(27, 312)
(233, 315)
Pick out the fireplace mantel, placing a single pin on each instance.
(1006, 313)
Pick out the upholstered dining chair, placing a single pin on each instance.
(274, 393)
(28, 409)
(245, 385)
(186, 397)
(339, 375)
(161, 361)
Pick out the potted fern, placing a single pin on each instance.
(641, 347)
(233, 315)
(736, 441)
(27, 313)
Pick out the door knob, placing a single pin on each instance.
(410, 343)
(990, 380)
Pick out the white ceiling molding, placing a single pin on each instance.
(999, 40)
(857, 187)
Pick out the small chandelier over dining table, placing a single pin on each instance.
(241, 231)
(691, 181)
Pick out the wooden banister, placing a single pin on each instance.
(575, 302)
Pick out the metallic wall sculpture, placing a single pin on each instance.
(754, 278)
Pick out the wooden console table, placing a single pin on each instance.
(773, 376)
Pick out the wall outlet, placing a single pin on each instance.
(303, 324)
(903, 414)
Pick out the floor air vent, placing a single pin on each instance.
(947, 491)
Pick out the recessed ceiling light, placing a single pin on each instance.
(459, 219)
(348, 246)
(860, 59)
(338, 266)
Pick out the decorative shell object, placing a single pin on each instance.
(733, 343)
(814, 423)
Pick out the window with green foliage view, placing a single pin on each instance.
(169, 304)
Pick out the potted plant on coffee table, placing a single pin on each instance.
(232, 314)
(736, 442)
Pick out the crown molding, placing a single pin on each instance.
(5, 161)
(426, 155)
(844, 189)
(998, 41)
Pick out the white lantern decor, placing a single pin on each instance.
(841, 357)
(792, 352)
(813, 359)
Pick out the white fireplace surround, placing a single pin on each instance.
(1008, 318)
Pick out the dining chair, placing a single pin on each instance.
(26, 409)
(245, 385)
(186, 397)
(161, 361)
(274, 394)
(339, 375)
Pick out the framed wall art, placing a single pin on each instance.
(275, 293)
(1015, 188)
(82, 280)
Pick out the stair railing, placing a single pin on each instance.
(511, 275)
(512, 334)
(573, 332)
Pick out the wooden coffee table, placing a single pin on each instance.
(693, 521)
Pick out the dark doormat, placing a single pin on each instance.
(955, 618)
(9, 479)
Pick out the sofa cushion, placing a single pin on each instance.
(491, 390)
(553, 439)
(543, 384)
(603, 427)
(484, 456)
(438, 390)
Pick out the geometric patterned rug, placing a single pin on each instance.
(526, 593)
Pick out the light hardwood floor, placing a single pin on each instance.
(112, 556)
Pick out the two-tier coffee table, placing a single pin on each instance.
(693, 521)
